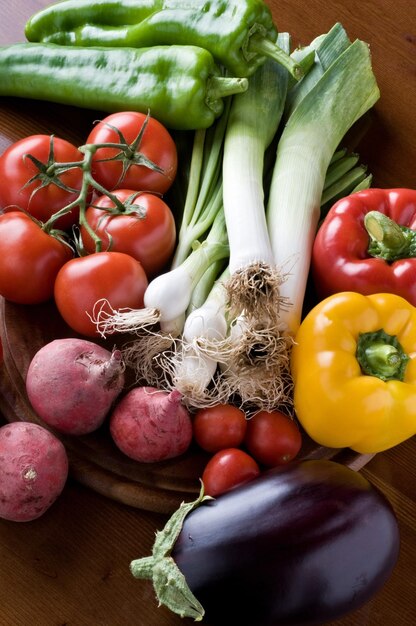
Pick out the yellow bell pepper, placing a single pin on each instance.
(354, 371)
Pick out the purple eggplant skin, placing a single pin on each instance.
(301, 544)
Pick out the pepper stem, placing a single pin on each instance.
(265, 47)
(219, 87)
(380, 354)
(389, 240)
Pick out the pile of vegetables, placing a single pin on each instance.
(189, 224)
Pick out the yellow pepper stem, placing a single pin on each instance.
(381, 355)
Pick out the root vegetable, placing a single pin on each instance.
(72, 384)
(151, 425)
(33, 470)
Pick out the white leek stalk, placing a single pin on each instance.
(252, 124)
(345, 91)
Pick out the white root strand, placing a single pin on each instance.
(109, 321)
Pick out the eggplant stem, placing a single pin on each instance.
(169, 583)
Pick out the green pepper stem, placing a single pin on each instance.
(380, 354)
(388, 240)
(219, 87)
(263, 46)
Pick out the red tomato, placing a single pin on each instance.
(156, 145)
(30, 259)
(218, 427)
(227, 469)
(114, 277)
(42, 197)
(146, 230)
(272, 438)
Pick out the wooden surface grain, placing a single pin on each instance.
(71, 567)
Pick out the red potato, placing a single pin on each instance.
(33, 471)
(150, 425)
(72, 383)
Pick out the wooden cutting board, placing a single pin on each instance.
(94, 459)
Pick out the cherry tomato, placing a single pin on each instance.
(42, 197)
(145, 230)
(272, 438)
(30, 259)
(156, 145)
(227, 469)
(114, 277)
(218, 427)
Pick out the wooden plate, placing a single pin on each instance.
(94, 459)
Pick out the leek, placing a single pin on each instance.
(252, 124)
(315, 128)
(326, 48)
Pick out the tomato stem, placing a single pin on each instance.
(52, 169)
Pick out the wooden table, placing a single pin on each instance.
(71, 567)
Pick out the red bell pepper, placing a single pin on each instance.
(367, 244)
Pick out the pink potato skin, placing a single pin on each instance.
(72, 383)
(33, 471)
(149, 425)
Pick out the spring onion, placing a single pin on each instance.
(203, 197)
(167, 296)
(191, 366)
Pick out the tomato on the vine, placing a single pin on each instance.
(218, 427)
(110, 280)
(151, 159)
(227, 469)
(30, 259)
(29, 184)
(273, 438)
(145, 229)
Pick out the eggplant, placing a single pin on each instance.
(301, 544)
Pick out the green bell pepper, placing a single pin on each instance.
(238, 33)
(181, 86)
